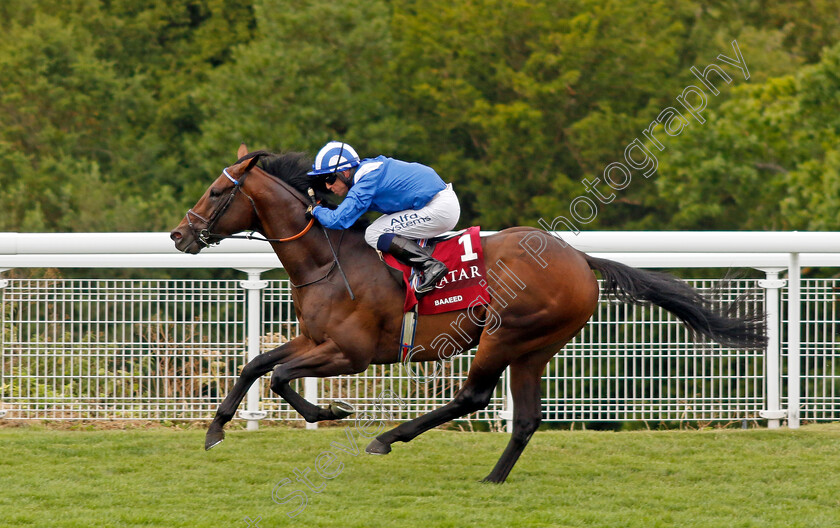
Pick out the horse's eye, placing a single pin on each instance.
(215, 193)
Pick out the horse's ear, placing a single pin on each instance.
(251, 162)
(242, 151)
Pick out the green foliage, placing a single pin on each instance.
(309, 76)
(93, 111)
(766, 159)
(512, 93)
(115, 115)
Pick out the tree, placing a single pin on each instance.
(312, 73)
(91, 127)
(767, 159)
(518, 102)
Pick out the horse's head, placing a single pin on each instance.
(224, 209)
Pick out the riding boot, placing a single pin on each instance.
(419, 258)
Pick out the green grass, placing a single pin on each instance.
(162, 477)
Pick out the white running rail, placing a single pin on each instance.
(150, 349)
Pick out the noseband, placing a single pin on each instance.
(205, 236)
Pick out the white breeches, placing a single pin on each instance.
(436, 217)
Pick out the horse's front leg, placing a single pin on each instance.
(322, 361)
(250, 373)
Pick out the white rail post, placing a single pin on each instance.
(773, 411)
(793, 341)
(254, 286)
(506, 413)
(3, 284)
(310, 393)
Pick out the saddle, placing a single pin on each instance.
(464, 285)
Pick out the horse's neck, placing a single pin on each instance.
(282, 216)
(309, 257)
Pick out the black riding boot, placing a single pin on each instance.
(420, 258)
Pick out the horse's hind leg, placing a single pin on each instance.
(473, 396)
(525, 378)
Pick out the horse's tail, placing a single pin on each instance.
(698, 313)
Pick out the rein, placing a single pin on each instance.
(205, 236)
(263, 239)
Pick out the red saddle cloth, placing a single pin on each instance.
(464, 285)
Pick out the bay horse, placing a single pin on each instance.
(267, 193)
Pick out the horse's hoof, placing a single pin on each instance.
(341, 409)
(490, 479)
(214, 437)
(375, 447)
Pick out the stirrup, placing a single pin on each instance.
(420, 258)
(430, 281)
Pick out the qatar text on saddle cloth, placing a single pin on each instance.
(462, 287)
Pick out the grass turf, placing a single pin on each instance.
(712, 478)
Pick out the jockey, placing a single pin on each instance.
(416, 202)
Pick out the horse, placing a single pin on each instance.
(350, 307)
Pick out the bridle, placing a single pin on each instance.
(206, 237)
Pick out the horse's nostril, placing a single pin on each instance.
(175, 236)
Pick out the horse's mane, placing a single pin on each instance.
(291, 167)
